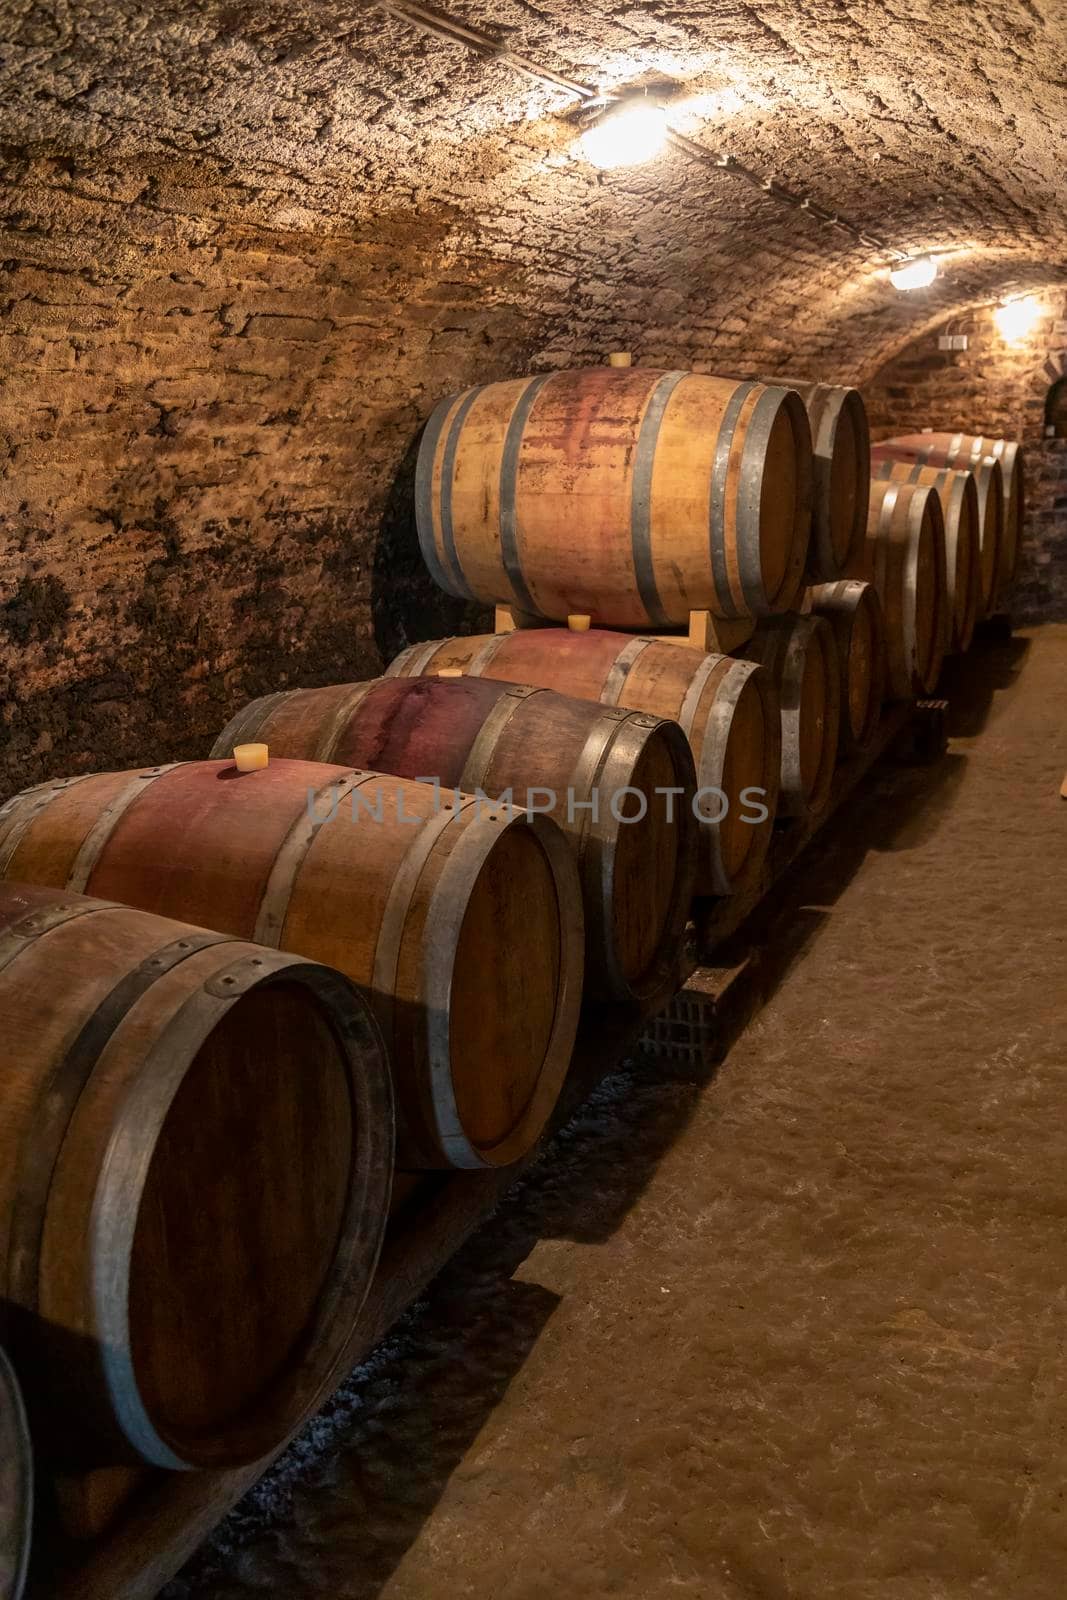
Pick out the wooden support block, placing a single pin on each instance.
(711, 634)
(507, 618)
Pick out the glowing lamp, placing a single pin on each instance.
(636, 132)
(1017, 318)
(916, 274)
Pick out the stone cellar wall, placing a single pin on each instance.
(994, 387)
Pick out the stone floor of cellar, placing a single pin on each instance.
(791, 1330)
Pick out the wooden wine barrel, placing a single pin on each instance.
(853, 612)
(630, 495)
(619, 783)
(988, 483)
(196, 1147)
(800, 655)
(466, 925)
(958, 495)
(726, 709)
(963, 450)
(16, 1486)
(841, 439)
(904, 558)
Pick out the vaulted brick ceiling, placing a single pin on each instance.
(941, 127)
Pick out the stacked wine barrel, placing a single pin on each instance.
(240, 996)
(463, 925)
(196, 1157)
(607, 775)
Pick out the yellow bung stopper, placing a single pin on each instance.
(250, 757)
(578, 623)
(450, 672)
(620, 358)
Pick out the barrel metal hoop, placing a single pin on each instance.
(444, 921)
(615, 681)
(818, 402)
(598, 838)
(424, 472)
(790, 676)
(93, 844)
(248, 721)
(883, 543)
(339, 721)
(714, 752)
(761, 424)
(274, 905)
(509, 475)
(480, 754)
(717, 501)
(387, 948)
(909, 610)
(24, 935)
(641, 496)
(238, 979)
(457, 583)
(694, 689)
(590, 762)
(412, 662)
(486, 654)
(56, 1102)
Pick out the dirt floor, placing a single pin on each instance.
(794, 1330)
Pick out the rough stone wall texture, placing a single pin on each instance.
(245, 248)
(1041, 593)
(996, 386)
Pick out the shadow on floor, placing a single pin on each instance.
(970, 683)
(398, 1429)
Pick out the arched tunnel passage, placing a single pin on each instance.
(773, 1330)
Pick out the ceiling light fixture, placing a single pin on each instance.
(914, 274)
(1015, 319)
(633, 132)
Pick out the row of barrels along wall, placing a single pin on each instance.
(198, 1128)
(468, 939)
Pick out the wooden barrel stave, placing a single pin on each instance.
(687, 492)
(381, 897)
(141, 1051)
(726, 709)
(958, 494)
(800, 655)
(853, 611)
(480, 734)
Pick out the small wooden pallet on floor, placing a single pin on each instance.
(170, 1514)
(724, 989)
